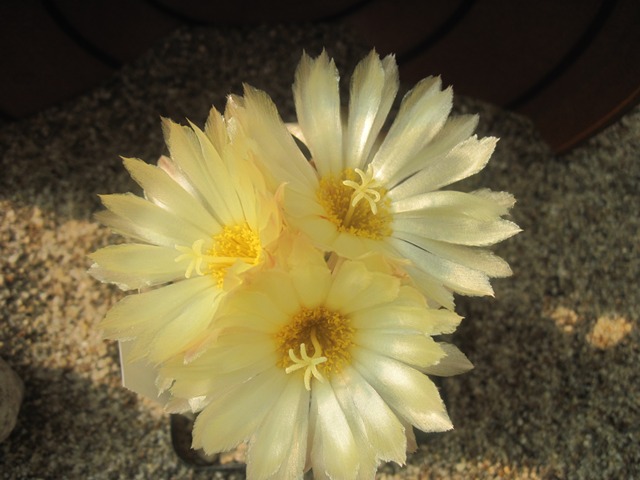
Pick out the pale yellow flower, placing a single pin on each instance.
(321, 369)
(205, 222)
(363, 191)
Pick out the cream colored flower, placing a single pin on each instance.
(321, 369)
(364, 191)
(205, 223)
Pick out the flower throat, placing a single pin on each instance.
(316, 339)
(356, 205)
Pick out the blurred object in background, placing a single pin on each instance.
(572, 67)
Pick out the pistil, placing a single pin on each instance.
(310, 364)
(366, 190)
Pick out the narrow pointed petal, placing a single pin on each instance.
(442, 322)
(124, 227)
(456, 130)
(471, 257)
(454, 363)
(271, 445)
(407, 318)
(422, 114)
(224, 423)
(381, 428)
(166, 193)
(410, 348)
(134, 265)
(504, 199)
(412, 444)
(152, 310)
(255, 347)
(391, 85)
(431, 287)
(455, 228)
(152, 222)
(197, 379)
(223, 177)
(216, 130)
(275, 144)
(317, 98)
(464, 160)
(368, 101)
(456, 277)
(187, 154)
(407, 391)
(480, 206)
(389, 317)
(294, 464)
(185, 330)
(270, 286)
(335, 452)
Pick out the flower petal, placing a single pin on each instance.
(311, 285)
(224, 423)
(275, 145)
(215, 128)
(196, 378)
(334, 450)
(185, 330)
(400, 317)
(431, 287)
(454, 227)
(355, 288)
(188, 155)
(422, 114)
(464, 160)
(155, 224)
(271, 446)
(381, 429)
(457, 277)
(273, 295)
(406, 390)
(373, 87)
(472, 257)
(317, 98)
(293, 466)
(454, 363)
(166, 193)
(227, 180)
(410, 348)
(406, 318)
(151, 311)
(134, 265)
(480, 206)
(454, 131)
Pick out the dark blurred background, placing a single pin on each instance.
(573, 67)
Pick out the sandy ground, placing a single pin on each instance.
(555, 392)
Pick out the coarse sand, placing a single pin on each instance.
(555, 392)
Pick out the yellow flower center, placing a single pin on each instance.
(356, 203)
(233, 243)
(316, 339)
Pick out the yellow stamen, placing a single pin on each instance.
(234, 243)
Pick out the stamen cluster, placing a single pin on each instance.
(342, 199)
